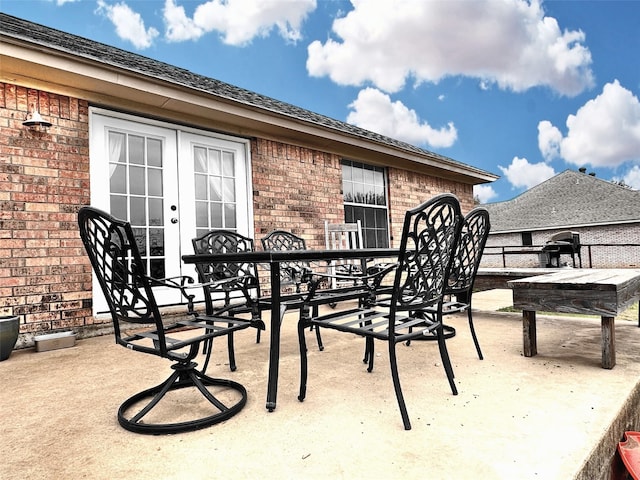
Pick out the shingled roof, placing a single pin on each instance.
(570, 199)
(43, 36)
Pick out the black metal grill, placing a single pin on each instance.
(562, 243)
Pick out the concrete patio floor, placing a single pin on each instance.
(554, 416)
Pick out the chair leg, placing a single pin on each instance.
(232, 352)
(473, 333)
(446, 362)
(369, 353)
(318, 336)
(303, 360)
(393, 361)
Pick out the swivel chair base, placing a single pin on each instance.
(184, 376)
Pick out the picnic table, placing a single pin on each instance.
(603, 292)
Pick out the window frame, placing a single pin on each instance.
(374, 210)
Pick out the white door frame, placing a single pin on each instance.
(177, 192)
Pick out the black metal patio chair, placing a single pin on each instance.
(139, 326)
(315, 280)
(291, 273)
(475, 230)
(221, 292)
(459, 290)
(429, 237)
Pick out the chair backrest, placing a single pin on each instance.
(473, 237)
(118, 266)
(282, 240)
(344, 236)
(224, 241)
(429, 236)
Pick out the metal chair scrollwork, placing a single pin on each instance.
(232, 287)
(138, 325)
(429, 236)
(459, 290)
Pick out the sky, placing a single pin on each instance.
(521, 89)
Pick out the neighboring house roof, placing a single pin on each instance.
(570, 199)
(48, 38)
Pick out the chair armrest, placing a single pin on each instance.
(185, 282)
(370, 282)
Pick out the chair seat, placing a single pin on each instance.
(371, 322)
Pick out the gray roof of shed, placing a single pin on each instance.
(95, 51)
(570, 199)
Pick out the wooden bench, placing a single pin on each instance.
(604, 292)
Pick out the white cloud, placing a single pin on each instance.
(632, 178)
(485, 193)
(375, 111)
(129, 24)
(238, 21)
(522, 174)
(179, 27)
(509, 43)
(62, 2)
(605, 131)
(549, 139)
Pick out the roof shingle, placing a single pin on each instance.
(570, 199)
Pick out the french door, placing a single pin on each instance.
(172, 184)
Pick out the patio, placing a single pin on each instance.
(558, 415)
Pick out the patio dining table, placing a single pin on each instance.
(273, 259)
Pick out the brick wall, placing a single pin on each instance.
(295, 189)
(44, 178)
(410, 189)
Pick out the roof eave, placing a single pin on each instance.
(101, 83)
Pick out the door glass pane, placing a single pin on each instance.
(136, 181)
(229, 192)
(215, 163)
(155, 212)
(136, 150)
(156, 241)
(200, 187)
(228, 167)
(215, 189)
(138, 213)
(200, 160)
(155, 182)
(216, 216)
(230, 216)
(118, 180)
(119, 207)
(154, 152)
(202, 215)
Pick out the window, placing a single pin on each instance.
(527, 241)
(365, 199)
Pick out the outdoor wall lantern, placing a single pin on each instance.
(34, 121)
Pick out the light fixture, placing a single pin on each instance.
(34, 121)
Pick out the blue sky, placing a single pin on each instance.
(521, 89)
